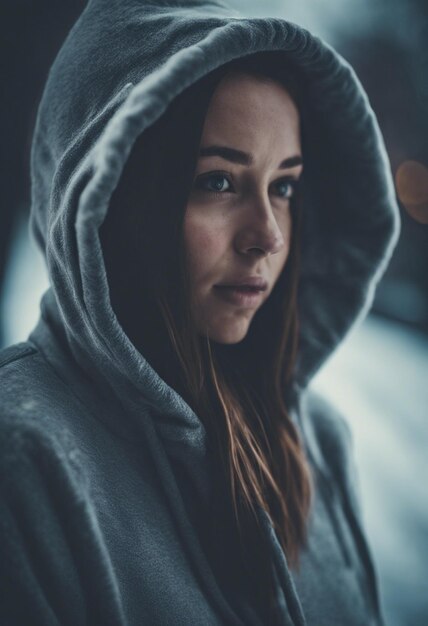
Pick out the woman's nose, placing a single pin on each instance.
(259, 230)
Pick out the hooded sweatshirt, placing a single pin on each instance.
(105, 474)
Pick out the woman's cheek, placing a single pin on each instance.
(204, 241)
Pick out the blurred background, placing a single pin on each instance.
(379, 376)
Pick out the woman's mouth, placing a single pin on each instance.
(245, 296)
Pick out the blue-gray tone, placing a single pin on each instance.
(385, 399)
(106, 477)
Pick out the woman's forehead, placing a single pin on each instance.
(252, 117)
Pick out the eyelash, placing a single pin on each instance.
(199, 184)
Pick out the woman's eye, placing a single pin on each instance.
(217, 183)
(286, 188)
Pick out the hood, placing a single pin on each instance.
(121, 65)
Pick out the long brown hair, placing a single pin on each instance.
(239, 391)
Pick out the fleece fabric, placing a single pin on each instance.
(106, 479)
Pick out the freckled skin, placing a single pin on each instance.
(244, 229)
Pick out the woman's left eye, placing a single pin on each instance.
(286, 188)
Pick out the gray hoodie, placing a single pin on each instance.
(104, 467)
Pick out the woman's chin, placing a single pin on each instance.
(228, 333)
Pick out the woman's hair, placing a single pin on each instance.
(238, 390)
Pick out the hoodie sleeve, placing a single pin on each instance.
(49, 549)
(336, 442)
(336, 461)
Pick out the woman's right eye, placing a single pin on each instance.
(213, 183)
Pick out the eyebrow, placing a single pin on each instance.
(243, 158)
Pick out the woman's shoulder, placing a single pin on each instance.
(29, 386)
(21, 364)
(49, 404)
(32, 428)
(330, 439)
(328, 424)
(42, 485)
(37, 410)
(23, 380)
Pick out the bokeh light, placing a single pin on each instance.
(411, 180)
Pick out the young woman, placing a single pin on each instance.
(163, 458)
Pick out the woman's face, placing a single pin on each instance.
(237, 224)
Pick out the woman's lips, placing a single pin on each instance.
(240, 296)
